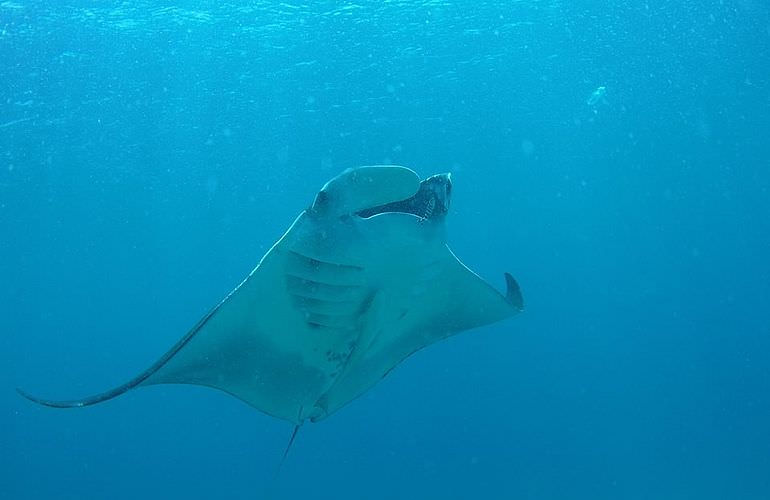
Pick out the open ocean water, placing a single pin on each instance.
(613, 156)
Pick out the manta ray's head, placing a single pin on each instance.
(430, 202)
(369, 191)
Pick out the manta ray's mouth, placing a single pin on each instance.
(430, 202)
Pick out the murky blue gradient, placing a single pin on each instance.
(150, 153)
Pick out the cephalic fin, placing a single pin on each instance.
(513, 293)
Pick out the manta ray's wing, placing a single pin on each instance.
(424, 294)
(265, 343)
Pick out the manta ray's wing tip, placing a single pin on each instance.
(46, 402)
(29, 396)
(513, 293)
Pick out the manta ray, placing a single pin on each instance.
(362, 279)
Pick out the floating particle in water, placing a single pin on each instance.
(212, 183)
(527, 147)
(596, 96)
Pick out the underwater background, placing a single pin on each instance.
(613, 156)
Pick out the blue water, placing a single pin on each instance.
(613, 156)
